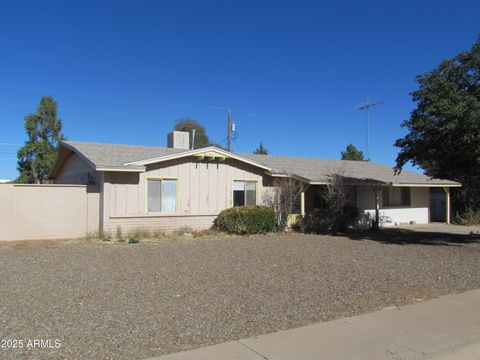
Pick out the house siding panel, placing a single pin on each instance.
(77, 171)
(417, 212)
(204, 189)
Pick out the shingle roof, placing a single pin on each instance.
(116, 156)
(357, 172)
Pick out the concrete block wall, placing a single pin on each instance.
(50, 211)
(162, 223)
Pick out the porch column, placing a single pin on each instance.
(302, 203)
(376, 191)
(447, 204)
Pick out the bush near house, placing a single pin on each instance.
(469, 217)
(337, 214)
(327, 221)
(246, 220)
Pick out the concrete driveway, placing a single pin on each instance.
(441, 228)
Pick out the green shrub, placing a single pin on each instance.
(327, 221)
(469, 217)
(133, 241)
(246, 220)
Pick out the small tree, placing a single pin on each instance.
(37, 157)
(285, 199)
(261, 150)
(352, 153)
(337, 213)
(201, 137)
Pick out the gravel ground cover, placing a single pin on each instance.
(132, 301)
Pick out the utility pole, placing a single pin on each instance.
(366, 106)
(229, 131)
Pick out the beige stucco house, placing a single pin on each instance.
(176, 187)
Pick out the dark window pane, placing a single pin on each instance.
(251, 193)
(238, 198)
(386, 198)
(251, 197)
(406, 196)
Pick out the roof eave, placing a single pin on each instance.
(426, 185)
(187, 153)
(136, 169)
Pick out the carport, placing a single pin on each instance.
(440, 205)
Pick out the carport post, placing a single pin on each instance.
(376, 191)
(447, 204)
(302, 203)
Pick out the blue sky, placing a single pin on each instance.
(291, 71)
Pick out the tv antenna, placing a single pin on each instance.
(366, 106)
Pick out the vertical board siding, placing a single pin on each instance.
(204, 189)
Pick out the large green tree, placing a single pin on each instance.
(352, 153)
(201, 137)
(37, 156)
(261, 150)
(444, 129)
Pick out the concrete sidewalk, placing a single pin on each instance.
(445, 328)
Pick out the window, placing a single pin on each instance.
(244, 193)
(396, 196)
(161, 195)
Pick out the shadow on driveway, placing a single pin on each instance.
(399, 236)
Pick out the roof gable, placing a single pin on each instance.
(210, 152)
(129, 158)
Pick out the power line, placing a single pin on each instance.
(95, 112)
(100, 97)
(8, 144)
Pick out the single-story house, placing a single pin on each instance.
(177, 187)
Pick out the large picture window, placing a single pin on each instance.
(244, 193)
(161, 195)
(396, 196)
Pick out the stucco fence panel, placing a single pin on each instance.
(50, 211)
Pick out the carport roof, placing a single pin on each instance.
(116, 157)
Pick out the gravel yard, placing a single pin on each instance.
(132, 301)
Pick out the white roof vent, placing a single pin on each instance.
(178, 140)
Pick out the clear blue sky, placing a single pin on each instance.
(291, 71)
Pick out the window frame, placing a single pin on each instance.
(255, 181)
(401, 189)
(177, 197)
